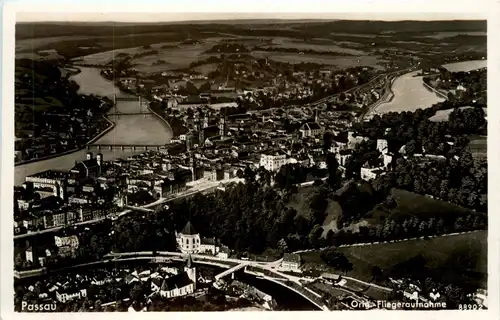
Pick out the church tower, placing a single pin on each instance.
(201, 138)
(205, 121)
(192, 165)
(190, 269)
(222, 127)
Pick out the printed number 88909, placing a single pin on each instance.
(468, 307)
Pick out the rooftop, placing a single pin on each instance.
(50, 174)
(188, 229)
(291, 257)
(175, 282)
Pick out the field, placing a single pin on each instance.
(447, 34)
(340, 62)
(411, 204)
(466, 65)
(443, 115)
(205, 69)
(479, 147)
(325, 46)
(29, 45)
(176, 58)
(436, 251)
(178, 55)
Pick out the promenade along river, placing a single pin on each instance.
(129, 129)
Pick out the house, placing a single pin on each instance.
(156, 284)
(273, 160)
(29, 255)
(65, 297)
(188, 240)
(343, 156)
(181, 284)
(320, 161)
(67, 245)
(172, 187)
(223, 252)
(368, 174)
(51, 182)
(330, 277)
(311, 129)
(290, 262)
(209, 245)
(353, 140)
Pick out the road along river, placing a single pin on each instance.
(128, 129)
(408, 94)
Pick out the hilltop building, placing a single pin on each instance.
(188, 240)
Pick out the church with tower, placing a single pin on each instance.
(181, 284)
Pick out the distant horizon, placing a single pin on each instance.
(208, 17)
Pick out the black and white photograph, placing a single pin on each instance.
(248, 162)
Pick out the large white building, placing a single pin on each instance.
(290, 262)
(188, 240)
(273, 160)
(49, 183)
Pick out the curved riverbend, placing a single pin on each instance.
(408, 94)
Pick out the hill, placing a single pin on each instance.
(458, 258)
(408, 204)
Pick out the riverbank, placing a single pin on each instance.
(435, 91)
(386, 98)
(407, 93)
(162, 119)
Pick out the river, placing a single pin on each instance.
(129, 129)
(409, 95)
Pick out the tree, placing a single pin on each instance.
(333, 171)
(249, 175)
(205, 87)
(315, 236)
(336, 259)
(327, 141)
(376, 273)
(282, 245)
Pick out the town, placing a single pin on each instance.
(256, 183)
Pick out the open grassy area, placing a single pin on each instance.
(340, 62)
(412, 204)
(325, 45)
(436, 251)
(300, 201)
(479, 147)
(465, 65)
(443, 115)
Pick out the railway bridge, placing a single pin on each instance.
(133, 147)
